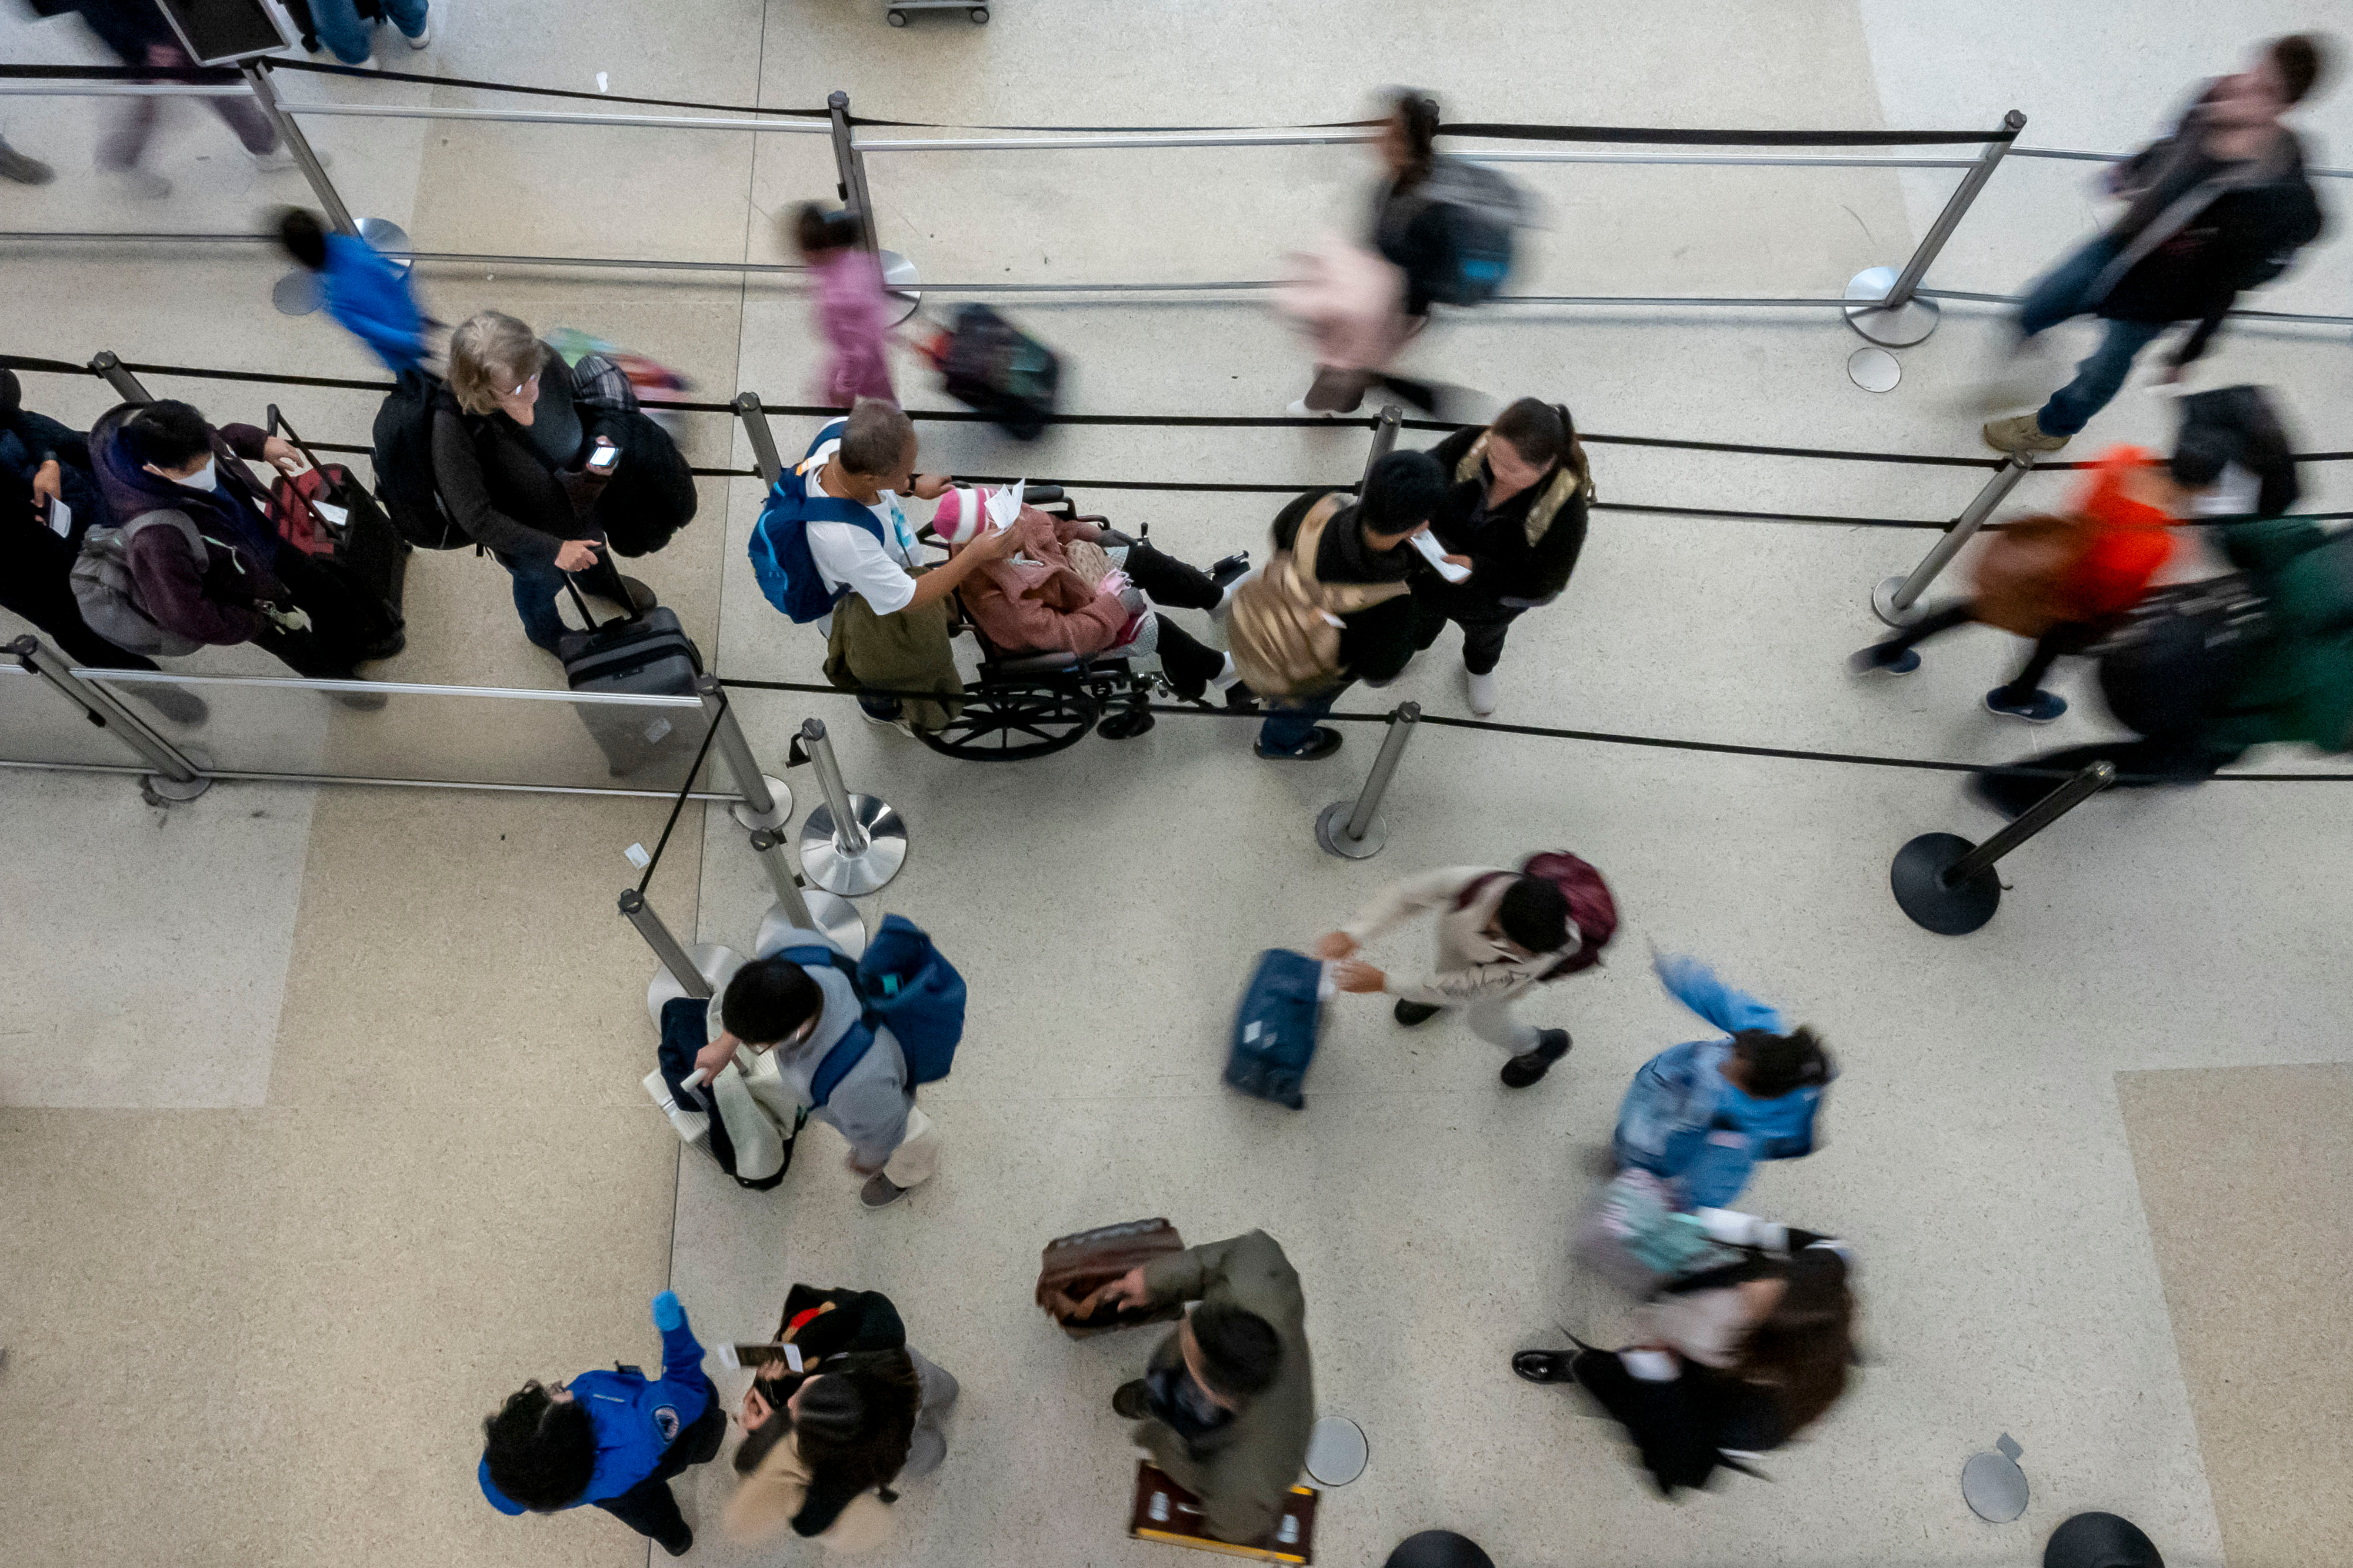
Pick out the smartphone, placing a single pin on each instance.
(60, 518)
(604, 459)
(1435, 553)
(738, 1355)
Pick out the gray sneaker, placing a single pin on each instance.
(880, 1192)
(15, 166)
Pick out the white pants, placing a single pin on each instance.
(1492, 1022)
(917, 1160)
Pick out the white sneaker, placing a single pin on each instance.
(422, 39)
(1482, 692)
(1298, 409)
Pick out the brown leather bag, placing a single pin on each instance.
(2021, 576)
(1073, 1267)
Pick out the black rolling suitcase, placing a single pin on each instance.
(994, 367)
(638, 656)
(363, 555)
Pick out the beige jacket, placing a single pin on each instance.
(1470, 969)
(765, 1504)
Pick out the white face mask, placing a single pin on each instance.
(204, 478)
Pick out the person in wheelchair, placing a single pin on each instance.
(1082, 589)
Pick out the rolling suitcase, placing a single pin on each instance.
(1166, 1512)
(994, 367)
(1073, 1267)
(1275, 1029)
(642, 656)
(329, 516)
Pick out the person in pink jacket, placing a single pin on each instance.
(1079, 588)
(852, 309)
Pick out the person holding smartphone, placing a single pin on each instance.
(516, 465)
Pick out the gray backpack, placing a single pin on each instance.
(107, 593)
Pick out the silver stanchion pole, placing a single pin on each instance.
(178, 778)
(1355, 829)
(126, 385)
(898, 278)
(1888, 310)
(1947, 884)
(674, 958)
(764, 456)
(799, 908)
(767, 800)
(1385, 435)
(852, 844)
(1897, 599)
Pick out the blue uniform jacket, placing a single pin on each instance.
(1682, 1120)
(635, 1419)
(370, 297)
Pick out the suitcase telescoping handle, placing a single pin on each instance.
(326, 477)
(587, 615)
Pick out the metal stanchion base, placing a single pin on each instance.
(823, 862)
(161, 790)
(1336, 1451)
(750, 820)
(837, 918)
(298, 292)
(715, 963)
(1882, 604)
(1873, 370)
(1332, 832)
(1916, 876)
(899, 282)
(1909, 323)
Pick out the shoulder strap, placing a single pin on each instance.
(181, 521)
(851, 1048)
(1309, 539)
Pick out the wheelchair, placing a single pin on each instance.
(1025, 705)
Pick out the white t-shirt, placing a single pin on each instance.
(847, 556)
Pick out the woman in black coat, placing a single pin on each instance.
(520, 459)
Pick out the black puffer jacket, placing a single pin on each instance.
(1509, 569)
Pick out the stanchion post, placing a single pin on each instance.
(126, 385)
(767, 801)
(1354, 829)
(1897, 599)
(176, 778)
(763, 440)
(800, 908)
(1948, 885)
(257, 79)
(852, 844)
(898, 278)
(1887, 308)
(674, 958)
(1385, 435)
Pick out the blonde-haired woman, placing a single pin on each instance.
(523, 473)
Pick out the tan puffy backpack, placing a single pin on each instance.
(1284, 626)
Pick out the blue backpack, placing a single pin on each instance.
(1276, 1027)
(905, 983)
(788, 574)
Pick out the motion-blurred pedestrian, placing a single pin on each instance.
(19, 169)
(352, 36)
(852, 311)
(2221, 205)
(134, 31)
(367, 294)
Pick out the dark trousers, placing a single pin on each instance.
(1485, 626)
(648, 1508)
(538, 584)
(135, 121)
(35, 567)
(2066, 637)
(1172, 582)
(1291, 720)
(328, 648)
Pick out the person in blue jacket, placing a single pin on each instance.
(365, 292)
(611, 1438)
(1700, 1115)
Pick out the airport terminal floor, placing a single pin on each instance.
(321, 1120)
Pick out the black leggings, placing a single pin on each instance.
(1483, 634)
(1171, 582)
(2066, 637)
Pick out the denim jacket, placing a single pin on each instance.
(1682, 1123)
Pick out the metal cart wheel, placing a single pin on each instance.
(1014, 723)
(980, 13)
(898, 18)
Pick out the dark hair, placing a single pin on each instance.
(1401, 493)
(2302, 60)
(875, 436)
(540, 1450)
(305, 241)
(816, 229)
(1542, 433)
(1239, 1349)
(1778, 1064)
(168, 434)
(768, 999)
(856, 1424)
(1802, 1348)
(12, 393)
(1419, 113)
(1535, 913)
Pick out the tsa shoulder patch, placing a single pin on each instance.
(666, 1418)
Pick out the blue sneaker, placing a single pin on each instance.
(2039, 709)
(1879, 658)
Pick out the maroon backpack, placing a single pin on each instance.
(1590, 906)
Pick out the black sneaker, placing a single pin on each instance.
(1529, 1066)
(641, 598)
(680, 1544)
(1544, 1367)
(1129, 1401)
(1322, 741)
(1412, 1013)
(1240, 698)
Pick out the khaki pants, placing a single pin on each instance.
(917, 1160)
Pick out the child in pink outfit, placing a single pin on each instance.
(852, 309)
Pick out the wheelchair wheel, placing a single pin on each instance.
(1014, 723)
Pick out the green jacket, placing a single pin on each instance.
(1251, 1462)
(2301, 688)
